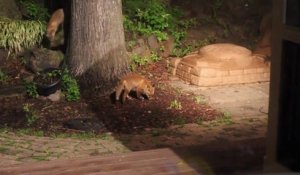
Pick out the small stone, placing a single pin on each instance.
(55, 96)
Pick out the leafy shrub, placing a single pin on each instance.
(30, 115)
(199, 100)
(175, 104)
(34, 10)
(180, 51)
(179, 120)
(17, 35)
(149, 17)
(31, 89)
(3, 77)
(137, 60)
(216, 5)
(70, 86)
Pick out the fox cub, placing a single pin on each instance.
(134, 82)
(55, 21)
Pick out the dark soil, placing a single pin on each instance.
(100, 114)
(133, 116)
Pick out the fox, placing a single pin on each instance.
(134, 82)
(55, 21)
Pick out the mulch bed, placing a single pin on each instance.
(132, 116)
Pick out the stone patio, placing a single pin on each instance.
(221, 64)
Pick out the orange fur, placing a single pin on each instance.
(134, 82)
(55, 21)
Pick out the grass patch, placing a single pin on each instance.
(28, 131)
(40, 158)
(199, 100)
(179, 120)
(4, 150)
(175, 104)
(199, 121)
(224, 119)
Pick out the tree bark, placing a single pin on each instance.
(96, 51)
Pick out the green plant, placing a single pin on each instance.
(179, 120)
(155, 132)
(199, 121)
(226, 118)
(206, 41)
(3, 77)
(34, 10)
(17, 35)
(175, 104)
(30, 114)
(178, 36)
(180, 51)
(137, 60)
(31, 89)
(186, 24)
(153, 17)
(70, 86)
(217, 4)
(48, 77)
(200, 100)
(131, 44)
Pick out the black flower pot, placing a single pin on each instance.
(45, 84)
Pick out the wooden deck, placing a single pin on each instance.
(151, 162)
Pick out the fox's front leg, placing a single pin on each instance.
(119, 90)
(126, 92)
(139, 93)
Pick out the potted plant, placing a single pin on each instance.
(48, 81)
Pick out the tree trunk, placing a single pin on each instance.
(96, 51)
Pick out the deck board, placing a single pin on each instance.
(159, 161)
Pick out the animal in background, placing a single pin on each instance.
(134, 82)
(54, 23)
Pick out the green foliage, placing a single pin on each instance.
(137, 60)
(217, 4)
(199, 121)
(50, 75)
(30, 114)
(31, 89)
(175, 104)
(131, 44)
(70, 86)
(179, 120)
(199, 100)
(225, 118)
(153, 17)
(181, 51)
(34, 10)
(3, 77)
(206, 41)
(186, 24)
(155, 132)
(16, 35)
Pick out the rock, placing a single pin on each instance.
(9, 9)
(140, 42)
(55, 96)
(153, 43)
(141, 51)
(168, 46)
(40, 59)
